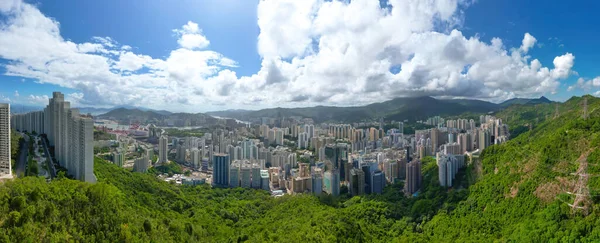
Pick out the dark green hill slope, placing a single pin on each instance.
(523, 101)
(522, 195)
(410, 108)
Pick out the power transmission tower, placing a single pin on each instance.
(582, 198)
(585, 109)
(556, 114)
(581, 191)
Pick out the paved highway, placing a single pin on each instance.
(51, 168)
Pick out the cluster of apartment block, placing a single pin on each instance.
(70, 134)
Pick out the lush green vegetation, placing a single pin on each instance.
(103, 150)
(519, 196)
(32, 167)
(170, 168)
(15, 140)
(197, 132)
(521, 118)
(126, 206)
(102, 135)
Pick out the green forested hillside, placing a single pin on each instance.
(138, 207)
(522, 195)
(519, 194)
(399, 109)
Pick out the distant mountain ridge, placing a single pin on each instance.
(410, 108)
(159, 117)
(99, 111)
(523, 101)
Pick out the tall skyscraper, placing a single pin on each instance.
(234, 173)
(247, 149)
(71, 135)
(452, 148)
(317, 181)
(5, 163)
(484, 139)
(83, 139)
(357, 182)
(413, 177)
(239, 153)
(446, 166)
(332, 182)
(264, 180)
(149, 153)
(181, 154)
(309, 130)
(221, 169)
(401, 127)
(302, 140)
(366, 168)
(256, 180)
(434, 140)
(337, 155)
(465, 141)
(195, 157)
(254, 154)
(377, 181)
(402, 169)
(373, 134)
(245, 174)
(118, 158)
(163, 150)
(32, 122)
(279, 137)
(141, 164)
(271, 136)
(231, 151)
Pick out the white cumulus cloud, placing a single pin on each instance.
(38, 99)
(313, 52)
(190, 36)
(528, 42)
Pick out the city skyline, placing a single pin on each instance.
(313, 62)
(299, 121)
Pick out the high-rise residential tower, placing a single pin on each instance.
(221, 169)
(163, 150)
(5, 164)
(195, 157)
(331, 181)
(71, 135)
(413, 177)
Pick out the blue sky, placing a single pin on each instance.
(301, 54)
(560, 26)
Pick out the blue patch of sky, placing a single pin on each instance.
(395, 69)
